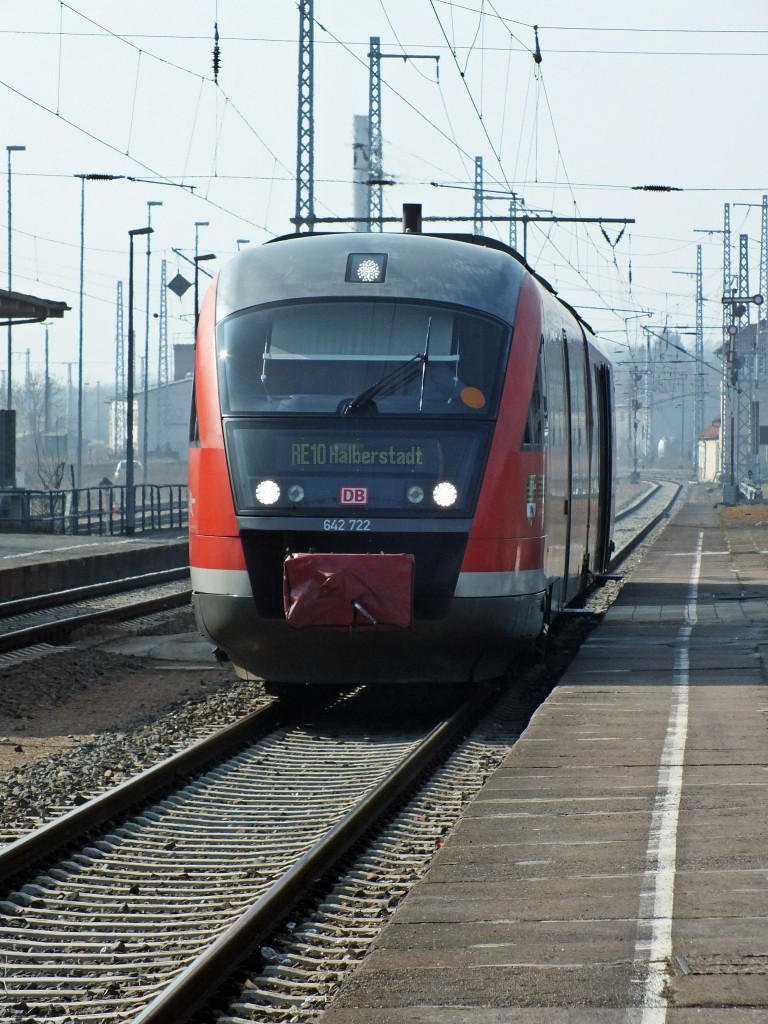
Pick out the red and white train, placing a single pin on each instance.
(402, 457)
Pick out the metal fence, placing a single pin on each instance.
(93, 510)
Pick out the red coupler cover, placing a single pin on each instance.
(348, 590)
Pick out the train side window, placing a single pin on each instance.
(533, 434)
(194, 423)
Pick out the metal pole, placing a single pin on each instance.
(513, 222)
(478, 214)
(83, 178)
(130, 497)
(144, 444)
(80, 339)
(375, 140)
(198, 224)
(10, 149)
(47, 399)
(305, 140)
(198, 261)
(698, 387)
(726, 424)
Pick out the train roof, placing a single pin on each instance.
(474, 271)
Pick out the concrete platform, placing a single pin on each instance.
(39, 563)
(615, 868)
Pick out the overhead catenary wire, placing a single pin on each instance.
(462, 74)
(142, 53)
(477, 44)
(151, 170)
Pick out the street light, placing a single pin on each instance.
(198, 261)
(83, 178)
(144, 444)
(130, 497)
(242, 241)
(198, 224)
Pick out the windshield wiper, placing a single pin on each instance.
(385, 385)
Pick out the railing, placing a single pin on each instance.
(751, 491)
(93, 510)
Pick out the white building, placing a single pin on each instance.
(708, 454)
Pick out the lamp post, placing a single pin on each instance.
(242, 241)
(83, 178)
(10, 149)
(47, 391)
(8, 420)
(198, 261)
(144, 443)
(130, 497)
(198, 224)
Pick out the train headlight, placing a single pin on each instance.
(445, 494)
(366, 267)
(295, 493)
(415, 494)
(267, 492)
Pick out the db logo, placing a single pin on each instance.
(353, 496)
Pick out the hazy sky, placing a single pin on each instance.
(626, 95)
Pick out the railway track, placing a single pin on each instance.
(52, 618)
(97, 934)
(142, 921)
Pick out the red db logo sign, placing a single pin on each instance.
(353, 496)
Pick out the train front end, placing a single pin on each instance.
(348, 397)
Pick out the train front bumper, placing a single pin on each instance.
(473, 642)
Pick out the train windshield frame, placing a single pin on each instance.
(361, 356)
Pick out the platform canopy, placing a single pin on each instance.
(16, 308)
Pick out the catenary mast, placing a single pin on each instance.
(305, 145)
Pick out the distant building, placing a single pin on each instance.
(708, 454)
(168, 409)
(168, 423)
(183, 361)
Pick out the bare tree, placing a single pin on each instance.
(50, 447)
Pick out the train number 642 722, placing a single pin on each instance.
(358, 525)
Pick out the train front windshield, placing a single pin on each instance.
(361, 357)
(342, 408)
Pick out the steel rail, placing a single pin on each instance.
(44, 842)
(60, 629)
(622, 553)
(35, 602)
(631, 507)
(196, 983)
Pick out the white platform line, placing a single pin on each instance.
(653, 946)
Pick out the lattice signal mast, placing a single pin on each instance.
(762, 310)
(698, 385)
(375, 142)
(119, 345)
(162, 361)
(478, 214)
(726, 435)
(739, 427)
(117, 417)
(305, 143)
(743, 395)
(376, 181)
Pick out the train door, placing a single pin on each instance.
(578, 524)
(604, 423)
(559, 469)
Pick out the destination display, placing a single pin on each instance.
(324, 469)
(322, 453)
